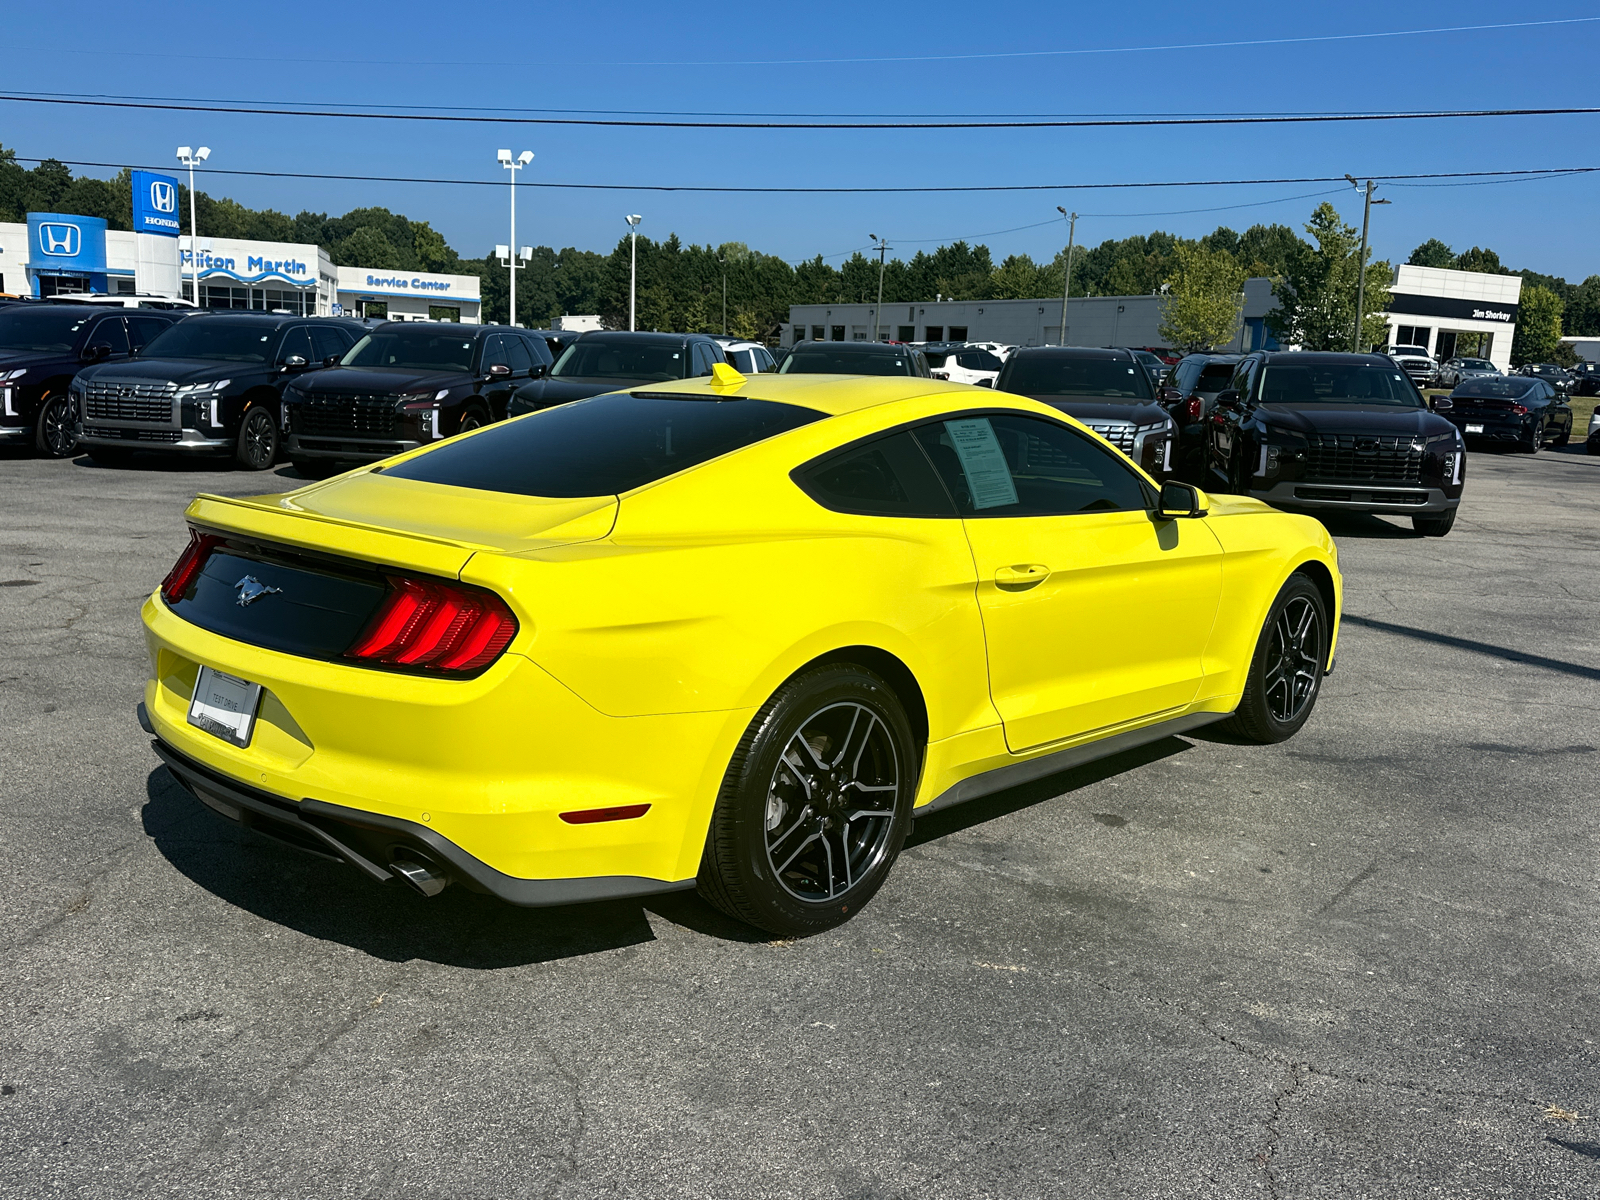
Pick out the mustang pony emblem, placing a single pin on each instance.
(252, 589)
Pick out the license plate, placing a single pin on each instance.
(1474, 428)
(225, 706)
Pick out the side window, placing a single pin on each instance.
(764, 360)
(517, 355)
(327, 341)
(978, 360)
(538, 350)
(1244, 377)
(296, 341)
(887, 477)
(494, 353)
(1009, 465)
(144, 330)
(110, 332)
(702, 359)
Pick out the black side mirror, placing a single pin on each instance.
(98, 352)
(1228, 399)
(538, 372)
(1180, 500)
(331, 360)
(1441, 403)
(295, 362)
(988, 383)
(1167, 394)
(499, 371)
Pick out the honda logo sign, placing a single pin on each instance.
(163, 196)
(60, 239)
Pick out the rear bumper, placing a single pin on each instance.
(346, 449)
(372, 843)
(1398, 499)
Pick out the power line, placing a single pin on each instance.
(1531, 174)
(642, 123)
(280, 60)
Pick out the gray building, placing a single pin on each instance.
(1091, 321)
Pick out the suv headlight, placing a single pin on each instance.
(191, 390)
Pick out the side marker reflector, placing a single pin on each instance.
(589, 816)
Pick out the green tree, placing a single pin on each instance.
(1582, 318)
(1432, 253)
(364, 247)
(1201, 308)
(1267, 249)
(1538, 332)
(1480, 259)
(1317, 291)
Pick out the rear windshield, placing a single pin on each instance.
(215, 341)
(1504, 387)
(602, 446)
(1061, 375)
(1335, 383)
(617, 358)
(1215, 378)
(806, 361)
(422, 348)
(43, 330)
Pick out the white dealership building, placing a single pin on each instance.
(1455, 313)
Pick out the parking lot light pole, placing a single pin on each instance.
(189, 158)
(1066, 287)
(722, 260)
(633, 220)
(513, 165)
(1361, 264)
(877, 313)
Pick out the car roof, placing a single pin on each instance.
(1113, 353)
(1329, 357)
(854, 347)
(642, 335)
(832, 394)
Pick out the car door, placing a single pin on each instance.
(1077, 581)
(110, 332)
(498, 386)
(1225, 427)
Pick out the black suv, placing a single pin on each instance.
(1336, 433)
(42, 347)
(1190, 395)
(405, 384)
(855, 358)
(605, 361)
(1108, 390)
(210, 384)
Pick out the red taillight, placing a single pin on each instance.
(1520, 409)
(189, 565)
(589, 816)
(1193, 407)
(437, 626)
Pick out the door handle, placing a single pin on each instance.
(1021, 577)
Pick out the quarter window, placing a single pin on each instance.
(494, 353)
(517, 354)
(296, 341)
(112, 334)
(1006, 465)
(887, 477)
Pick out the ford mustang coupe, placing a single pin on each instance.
(723, 632)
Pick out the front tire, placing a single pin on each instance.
(1435, 525)
(815, 804)
(1286, 669)
(257, 449)
(53, 436)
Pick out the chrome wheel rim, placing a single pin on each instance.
(830, 805)
(258, 439)
(57, 424)
(1293, 660)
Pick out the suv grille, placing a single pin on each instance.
(1359, 458)
(344, 413)
(107, 400)
(1118, 433)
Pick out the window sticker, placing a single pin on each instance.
(988, 473)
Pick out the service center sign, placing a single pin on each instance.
(155, 203)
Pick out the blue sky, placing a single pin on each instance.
(636, 56)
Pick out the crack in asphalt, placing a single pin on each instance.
(1361, 877)
(79, 903)
(1274, 1135)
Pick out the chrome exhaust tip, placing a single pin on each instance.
(424, 879)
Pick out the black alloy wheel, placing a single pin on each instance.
(54, 436)
(258, 440)
(1286, 669)
(1534, 441)
(1436, 524)
(1565, 436)
(815, 805)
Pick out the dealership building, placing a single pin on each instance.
(53, 254)
(1449, 312)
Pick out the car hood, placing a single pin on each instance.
(1143, 412)
(368, 381)
(1352, 418)
(171, 370)
(33, 360)
(543, 393)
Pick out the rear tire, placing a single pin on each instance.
(257, 448)
(1435, 525)
(1535, 442)
(53, 436)
(1285, 675)
(815, 804)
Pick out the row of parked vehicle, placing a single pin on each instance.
(1583, 379)
(1323, 432)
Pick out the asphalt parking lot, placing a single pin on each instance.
(1362, 963)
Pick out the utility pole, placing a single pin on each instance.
(877, 313)
(1361, 266)
(1066, 289)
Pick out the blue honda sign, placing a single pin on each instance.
(62, 243)
(155, 203)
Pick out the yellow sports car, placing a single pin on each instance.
(723, 632)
